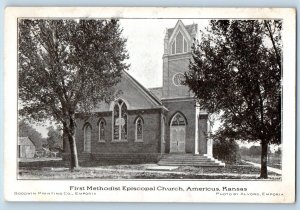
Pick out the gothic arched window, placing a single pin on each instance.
(101, 130)
(178, 120)
(179, 45)
(87, 135)
(139, 129)
(120, 121)
(163, 129)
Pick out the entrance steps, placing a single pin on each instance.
(189, 160)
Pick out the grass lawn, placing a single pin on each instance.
(273, 161)
(59, 170)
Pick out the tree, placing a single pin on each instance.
(26, 130)
(54, 139)
(67, 66)
(235, 71)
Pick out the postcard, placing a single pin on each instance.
(150, 104)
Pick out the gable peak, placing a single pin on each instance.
(189, 30)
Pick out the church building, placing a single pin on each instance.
(150, 125)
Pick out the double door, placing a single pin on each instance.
(177, 137)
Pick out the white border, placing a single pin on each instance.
(286, 186)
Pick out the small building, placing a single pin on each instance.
(26, 148)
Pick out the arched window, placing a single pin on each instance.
(87, 132)
(179, 45)
(178, 120)
(163, 125)
(101, 130)
(120, 121)
(139, 129)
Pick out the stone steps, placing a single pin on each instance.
(189, 160)
(186, 159)
(184, 162)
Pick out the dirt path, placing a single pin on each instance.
(275, 170)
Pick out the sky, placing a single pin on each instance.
(145, 39)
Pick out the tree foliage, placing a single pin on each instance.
(68, 65)
(26, 130)
(235, 71)
(54, 139)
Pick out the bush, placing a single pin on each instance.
(226, 150)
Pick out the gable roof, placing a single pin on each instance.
(144, 90)
(134, 94)
(157, 91)
(25, 141)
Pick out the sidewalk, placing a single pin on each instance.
(275, 170)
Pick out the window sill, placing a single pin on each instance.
(139, 141)
(119, 141)
(102, 141)
(180, 53)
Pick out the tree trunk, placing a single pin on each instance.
(70, 129)
(73, 152)
(264, 160)
(66, 144)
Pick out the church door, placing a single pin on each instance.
(177, 134)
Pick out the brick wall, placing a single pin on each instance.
(151, 134)
(164, 125)
(173, 65)
(127, 158)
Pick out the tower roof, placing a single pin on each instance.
(189, 29)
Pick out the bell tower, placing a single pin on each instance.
(177, 52)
